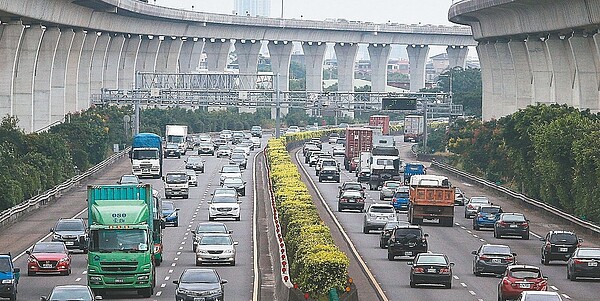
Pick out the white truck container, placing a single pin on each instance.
(414, 127)
(381, 140)
(177, 134)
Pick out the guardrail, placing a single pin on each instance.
(592, 228)
(14, 212)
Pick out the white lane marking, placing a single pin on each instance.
(475, 235)
(167, 278)
(455, 277)
(535, 235)
(467, 184)
(84, 272)
(173, 264)
(463, 284)
(158, 293)
(185, 237)
(482, 240)
(472, 293)
(463, 227)
(469, 231)
(183, 242)
(554, 287)
(170, 271)
(178, 253)
(176, 258)
(457, 224)
(180, 248)
(566, 296)
(78, 279)
(187, 233)
(163, 285)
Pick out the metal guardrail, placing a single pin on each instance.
(12, 213)
(519, 196)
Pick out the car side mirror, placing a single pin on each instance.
(223, 281)
(474, 252)
(235, 243)
(580, 240)
(51, 229)
(17, 270)
(339, 187)
(425, 235)
(175, 281)
(98, 298)
(230, 231)
(209, 202)
(452, 264)
(514, 254)
(163, 224)
(119, 182)
(28, 252)
(43, 299)
(70, 251)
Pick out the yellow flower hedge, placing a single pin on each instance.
(316, 264)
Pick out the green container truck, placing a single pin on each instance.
(121, 247)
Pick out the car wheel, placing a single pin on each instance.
(186, 196)
(466, 215)
(211, 219)
(544, 260)
(526, 236)
(339, 208)
(381, 244)
(365, 230)
(448, 285)
(390, 256)
(233, 263)
(13, 297)
(496, 234)
(568, 273)
(500, 298)
(238, 218)
(30, 273)
(412, 284)
(176, 224)
(320, 180)
(476, 227)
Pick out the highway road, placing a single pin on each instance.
(457, 242)
(177, 241)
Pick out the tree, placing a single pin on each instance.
(466, 88)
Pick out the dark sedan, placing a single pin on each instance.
(492, 259)
(559, 245)
(584, 263)
(513, 224)
(237, 183)
(351, 199)
(429, 268)
(170, 214)
(195, 282)
(387, 231)
(238, 159)
(407, 240)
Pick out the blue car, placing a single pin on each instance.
(400, 198)
(9, 277)
(486, 216)
(170, 214)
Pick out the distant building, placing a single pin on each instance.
(440, 62)
(254, 8)
(401, 66)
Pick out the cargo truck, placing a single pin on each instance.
(146, 155)
(357, 140)
(121, 228)
(431, 199)
(381, 120)
(177, 134)
(413, 169)
(385, 166)
(414, 128)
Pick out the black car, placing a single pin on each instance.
(172, 150)
(585, 262)
(363, 175)
(206, 148)
(195, 163)
(329, 173)
(558, 245)
(351, 186)
(239, 159)
(387, 231)
(72, 232)
(351, 199)
(195, 282)
(513, 224)
(492, 259)
(237, 183)
(71, 292)
(407, 240)
(429, 268)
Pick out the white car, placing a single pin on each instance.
(292, 129)
(256, 142)
(226, 134)
(224, 151)
(216, 248)
(241, 149)
(224, 207)
(377, 215)
(193, 178)
(229, 171)
(339, 150)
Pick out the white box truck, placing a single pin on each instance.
(177, 134)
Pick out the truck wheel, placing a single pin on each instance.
(186, 196)
(371, 187)
(13, 297)
(146, 293)
(211, 218)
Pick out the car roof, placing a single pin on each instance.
(217, 234)
(523, 266)
(408, 226)
(353, 183)
(561, 232)
(381, 205)
(541, 293)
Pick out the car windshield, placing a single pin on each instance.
(216, 240)
(479, 200)
(194, 160)
(492, 210)
(177, 178)
(48, 248)
(352, 194)
(595, 253)
(127, 240)
(392, 184)
(206, 276)
(79, 294)
(129, 179)
(69, 226)
(352, 186)
(390, 225)
(172, 145)
(401, 194)
(168, 206)
(523, 273)
(496, 250)
(5, 264)
(233, 181)
(432, 259)
(205, 144)
(238, 157)
(224, 191)
(382, 209)
(144, 154)
(566, 238)
(513, 218)
(329, 163)
(230, 169)
(403, 232)
(211, 228)
(224, 199)
(544, 297)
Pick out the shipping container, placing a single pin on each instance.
(357, 140)
(381, 120)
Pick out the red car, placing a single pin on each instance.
(520, 278)
(49, 257)
(354, 164)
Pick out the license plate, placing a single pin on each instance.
(145, 170)
(69, 243)
(408, 253)
(381, 217)
(119, 280)
(199, 299)
(496, 260)
(514, 226)
(491, 217)
(524, 285)
(330, 177)
(49, 266)
(563, 249)
(215, 258)
(351, 201)
(593, 264)
(431, 271)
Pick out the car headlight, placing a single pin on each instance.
(63, 260)
(143, 277)
(183, 291)
(95, 278)
(56, 236)
(213, 292)
(228, 251)
(8, 281)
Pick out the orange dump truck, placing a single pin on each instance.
(431, 200)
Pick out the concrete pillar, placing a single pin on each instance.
(563, 70)
(146, 59)
(127, 67)
(417, 57)
(281, 54)
(487, 102)
(457, 56)
(247, 57)
(97, 66)
(42, 81)
(314, 55)
(24, 73)
(523, 74)
(10, 42)
(217, 53)
(59, 75)
(191, 51)
(541, 70)
(111, 63)
(346, 57)
(585, 58)
(85, 66)
(507, 102)
(72, 76)
(379, 55)
(168, 55)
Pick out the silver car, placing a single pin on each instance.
(216, 248)
(377, 215)
(473, 205)
(388, 189)
(208, 227)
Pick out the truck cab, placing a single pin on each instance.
(9, 277)
(176, 184)
(146, 155)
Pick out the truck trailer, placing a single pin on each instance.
(357, 140)
(121, 255)
(414, 128)
(381, 120)
(432, 199)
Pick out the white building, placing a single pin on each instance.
(252, 8)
